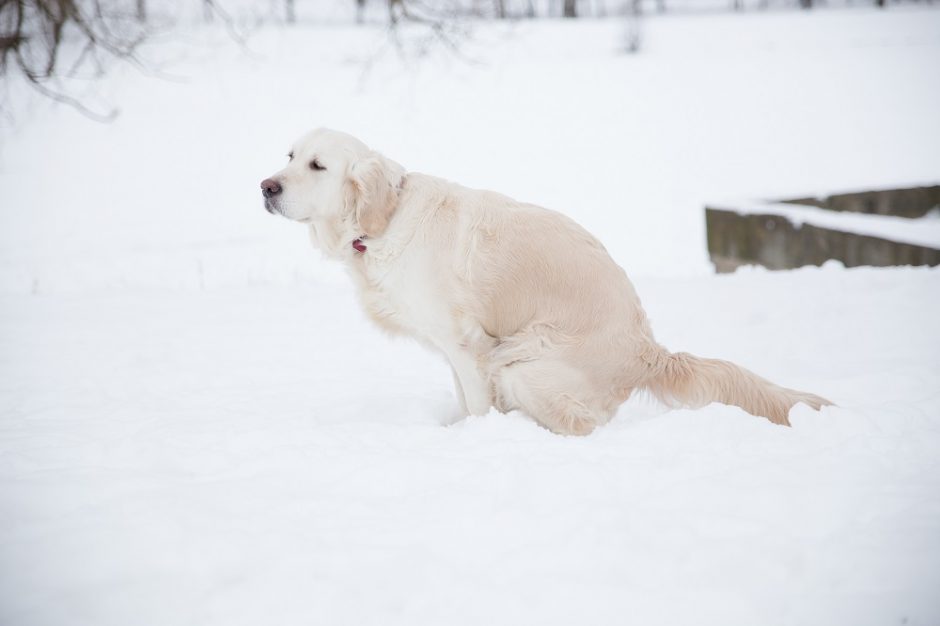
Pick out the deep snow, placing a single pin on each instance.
(199, 427)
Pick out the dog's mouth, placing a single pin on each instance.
(271, 206)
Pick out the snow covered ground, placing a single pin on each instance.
(197, 426)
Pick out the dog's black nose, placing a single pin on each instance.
(270, 187)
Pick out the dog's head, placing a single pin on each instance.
(338, 186)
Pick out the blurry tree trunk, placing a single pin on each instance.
(141, 10)
(530, 9)
(806, 4)
(207, 10)
(360, 11)
(570, 8)
(661, 6)
(501, 9)
(289, 14)
(880, 4)
(395, 10)
(634, 13)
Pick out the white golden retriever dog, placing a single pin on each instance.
(528, 308)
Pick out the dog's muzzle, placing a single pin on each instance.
(270, 189)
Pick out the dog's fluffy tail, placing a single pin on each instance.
(687, 380)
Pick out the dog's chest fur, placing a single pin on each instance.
(403, 295)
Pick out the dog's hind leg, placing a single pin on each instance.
(551, 392)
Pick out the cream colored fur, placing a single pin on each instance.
(528, 308)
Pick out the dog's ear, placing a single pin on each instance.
(373, 187)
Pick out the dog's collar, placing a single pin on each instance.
(358, 245)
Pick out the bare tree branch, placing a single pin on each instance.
(38, 36)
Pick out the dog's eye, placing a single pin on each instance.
(316, 165)
(290, 156)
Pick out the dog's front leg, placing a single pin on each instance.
(472, 389)
(458, 391)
